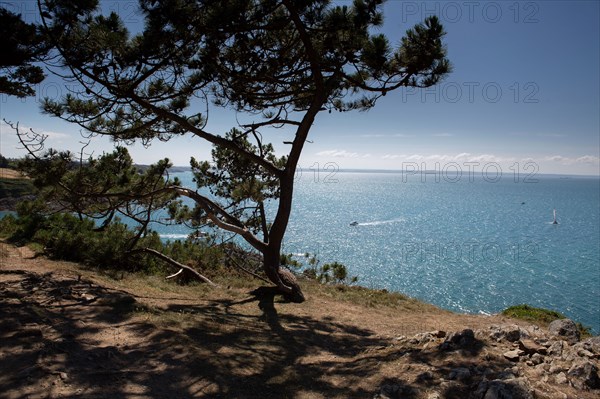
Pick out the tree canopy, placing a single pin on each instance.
(275, 63)
(22, 45)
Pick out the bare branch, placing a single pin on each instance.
(174, 263)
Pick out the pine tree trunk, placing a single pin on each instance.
(281, 277)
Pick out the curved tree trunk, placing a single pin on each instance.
(282, 278)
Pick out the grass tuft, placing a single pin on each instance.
(541, 316)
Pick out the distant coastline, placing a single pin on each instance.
(183, 169)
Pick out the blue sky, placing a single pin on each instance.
(525, 92)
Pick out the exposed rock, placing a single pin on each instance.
(591, 345)
(566, 329)
(460, 374)
(390, 391)
(543, 391)
(506, 375)
(510, 333)
(425, 337)
(570, 355)
(556, 367)
(513, 355)
(438, 333)
(462, 339)
(537, 358)
(530, 347)
(584, 375)
(556, 348)
(517, 388)
(561, 378)
(425, 376)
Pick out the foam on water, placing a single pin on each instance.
(380, 222)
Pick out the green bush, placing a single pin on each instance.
(64, 236)
(328, 273)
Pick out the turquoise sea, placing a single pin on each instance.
(471, 245)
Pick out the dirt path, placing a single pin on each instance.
(66, 332)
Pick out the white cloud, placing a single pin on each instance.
(585, 159)
(379, 135)
(338, 154)
(461, 157)
(588, 159)
(51, 135)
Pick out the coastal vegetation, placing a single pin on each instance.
(112, 247)
(15, 187)
(275, 65)
(540, 316)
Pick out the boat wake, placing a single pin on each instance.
(380, 222)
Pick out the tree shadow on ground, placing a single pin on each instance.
(51, 334)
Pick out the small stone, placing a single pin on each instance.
(556, 348)
(585, 353)
(555, 368)
(88, 297)
(434, 395)
(536, 359)
(530, 347)
(561, 378)
(425, 376)
(506, 375)
(544, 366)
(439, 334)
(513, 355)
(426, 337)
(63, 376)
(460, 374)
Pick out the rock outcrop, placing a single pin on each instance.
(502, 362)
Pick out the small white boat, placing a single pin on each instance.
(555, 221)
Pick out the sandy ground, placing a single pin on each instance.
(69, 332)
